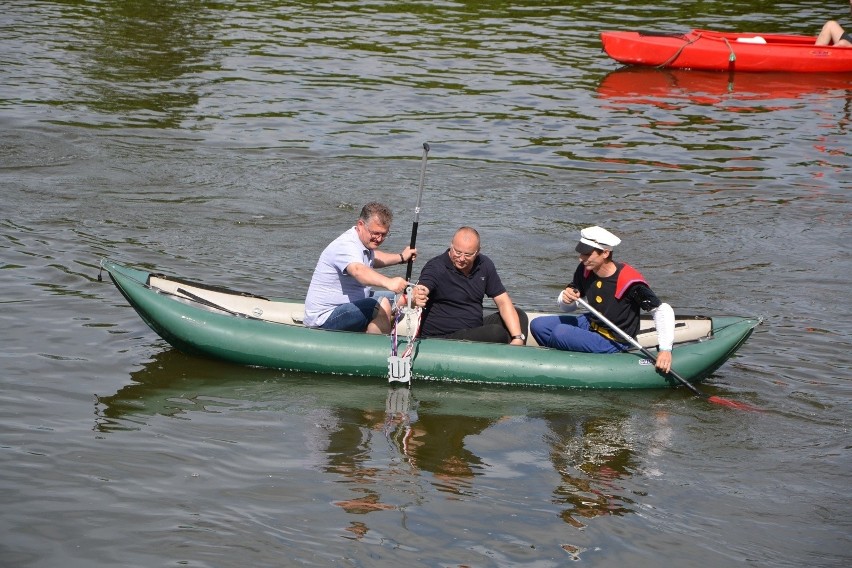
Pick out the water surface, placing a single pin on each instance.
(230, 142)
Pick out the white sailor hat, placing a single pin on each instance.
(596, 238)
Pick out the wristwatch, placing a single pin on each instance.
(522, 337)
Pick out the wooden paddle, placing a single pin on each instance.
(684, 382)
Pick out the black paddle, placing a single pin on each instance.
(399, 367)
(684, 382)
(417, 209)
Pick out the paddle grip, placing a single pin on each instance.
(412, 243)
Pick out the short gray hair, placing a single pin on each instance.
(380, 211)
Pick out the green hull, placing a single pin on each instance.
(193, 328)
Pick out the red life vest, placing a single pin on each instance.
(626, 278)
(609, 299)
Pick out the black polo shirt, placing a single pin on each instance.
(455, 299)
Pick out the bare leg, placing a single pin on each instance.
(830, 35)
(382, 322)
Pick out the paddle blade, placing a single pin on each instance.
(399, 369)
(732, 403)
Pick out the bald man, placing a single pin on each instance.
(453, 285)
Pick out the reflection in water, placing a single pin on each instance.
(141, 59)
(399, 417)
(591, 454)
(431, 442)
(722, 117)
(649, 85)
(390, 458)
(175, 384)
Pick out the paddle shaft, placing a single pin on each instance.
(636, 344)
(414, 225)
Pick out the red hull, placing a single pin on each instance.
(722, 51)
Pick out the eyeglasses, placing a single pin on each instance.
(378, 235)
(465, 255)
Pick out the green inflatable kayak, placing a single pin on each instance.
(251, 330)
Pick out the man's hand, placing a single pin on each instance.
(421, 295)
(570, 295)
(408, 255)
(664, 361)
(397, 285)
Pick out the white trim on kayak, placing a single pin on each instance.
(292, 313)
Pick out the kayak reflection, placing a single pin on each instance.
(648, 85)
(391, 448)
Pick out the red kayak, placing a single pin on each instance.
(722, 51)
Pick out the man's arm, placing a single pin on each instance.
(509, 316)
(369, 277)
(383, 259)
(664, 321)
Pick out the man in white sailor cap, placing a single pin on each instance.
(616, 290)
(596, 238)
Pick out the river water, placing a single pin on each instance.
(230, 141)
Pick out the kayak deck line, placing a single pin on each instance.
(292, 313)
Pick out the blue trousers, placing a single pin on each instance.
(356, 316)
(572, 333)
(352, 317)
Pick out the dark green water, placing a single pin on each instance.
(229, 141)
